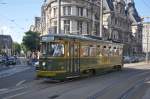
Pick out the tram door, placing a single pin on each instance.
(74, 58)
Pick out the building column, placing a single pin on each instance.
(59, 17)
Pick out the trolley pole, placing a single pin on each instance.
(101, 18)
(59, 17)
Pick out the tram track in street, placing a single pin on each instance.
(77, 84)
(105, 90)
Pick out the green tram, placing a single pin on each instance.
(68, 56)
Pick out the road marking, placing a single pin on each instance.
(21, 82)
(19, 94)
(10, 72)
(4, 89)
(11, 90)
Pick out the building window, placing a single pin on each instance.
(50, 11)
(96, 29)
(55, 27)
(79, 27)
(88, 26)
(66, 26)
(54, 9)
(80, 11)
(67, 10)
(87, 13)
(97, 16)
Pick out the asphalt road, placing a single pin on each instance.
(131, 83)
(12, 76)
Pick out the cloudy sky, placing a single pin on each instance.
(16, 16)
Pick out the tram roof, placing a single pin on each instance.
(81, 37)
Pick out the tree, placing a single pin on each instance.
(23, 48)
(31, 41)
(16, 48)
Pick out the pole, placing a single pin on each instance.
(147, 51)
(147, 42)
(58, 17)
(101, 18)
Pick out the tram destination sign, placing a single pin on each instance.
(47, 38)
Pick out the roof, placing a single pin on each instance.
(81, 37)
(131, 10)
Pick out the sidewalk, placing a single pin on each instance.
(135, 64)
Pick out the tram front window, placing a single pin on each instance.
(53, 49)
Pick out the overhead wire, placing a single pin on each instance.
(12, 21)
(146, 4)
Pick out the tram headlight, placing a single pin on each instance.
(44, 63)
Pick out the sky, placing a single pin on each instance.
(16, 16)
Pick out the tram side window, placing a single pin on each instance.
(43, 48)
(116, 51)
(120, 51)
(111, 51)
(84, 51)
(99, 50)
(76, 48)
(105, 51)
(92, 51)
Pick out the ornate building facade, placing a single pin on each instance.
(76, 17)
(118, 23)
(136, 27)
(6, 44)
(37, 25)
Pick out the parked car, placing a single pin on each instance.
(127, 59)
(142, 58)
(134, 59)
(1, 60)
(11, 61)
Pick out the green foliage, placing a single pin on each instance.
(16, 48)
(23, 48)
(31, 41)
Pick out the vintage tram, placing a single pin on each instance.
(68, 56)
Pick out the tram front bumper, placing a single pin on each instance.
(51, 74)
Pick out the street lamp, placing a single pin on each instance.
(101, 18)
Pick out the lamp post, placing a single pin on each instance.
(101, 18)
(147, 40)
(147, 50)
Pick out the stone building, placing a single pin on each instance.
(6, 44)
(37, 25)
(136, 27)
(118, 23)
(76, 17)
